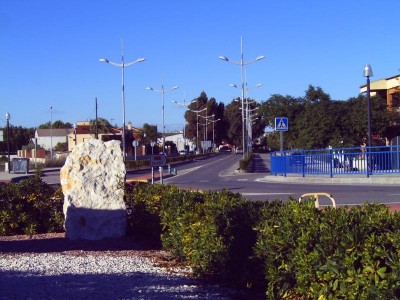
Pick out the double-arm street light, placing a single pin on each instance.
(51, 131)
(242, 63)
(186, 106)
(246, 111)
(213, 121)
(206, 124)
(197, 123)
(368, 73)
(122, 65)
(8, 117)
(162, 91)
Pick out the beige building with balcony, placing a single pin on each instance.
(386, 88)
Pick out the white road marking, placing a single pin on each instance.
(261, 194)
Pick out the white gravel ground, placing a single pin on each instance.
(100, 276)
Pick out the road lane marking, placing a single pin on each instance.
(262, 194)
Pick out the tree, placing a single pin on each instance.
(99, 126)
(19, 137)
(149, 133)
(56, 125)
(199, 112)
(316, 121)
(191, 116)
(283, 106)
(233, 119)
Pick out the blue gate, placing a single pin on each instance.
(360, 160)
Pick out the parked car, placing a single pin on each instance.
(183, 152)
(239, 150)
(297, 159)
(225, 149)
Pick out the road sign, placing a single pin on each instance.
(281, 124)
(158, 160)
(135, 143)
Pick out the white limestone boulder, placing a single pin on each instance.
(92, 182)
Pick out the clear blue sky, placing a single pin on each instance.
(50, 53)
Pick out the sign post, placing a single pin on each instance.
(158, 161)
(281, 125)
(135, 144)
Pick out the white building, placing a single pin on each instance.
(179, 141)
(49, 138)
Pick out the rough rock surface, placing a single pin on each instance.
(92, 181)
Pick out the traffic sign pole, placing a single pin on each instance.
(281, 125)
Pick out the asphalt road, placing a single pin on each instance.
(218, 173)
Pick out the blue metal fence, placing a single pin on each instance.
(364, 160)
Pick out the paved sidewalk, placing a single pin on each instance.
(262, 162)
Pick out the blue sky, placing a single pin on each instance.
(50, 53)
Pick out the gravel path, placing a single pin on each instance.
(51, 267)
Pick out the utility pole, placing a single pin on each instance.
(96, 128)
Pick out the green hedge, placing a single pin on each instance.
(343, 253)
(246, 164)
(30, 207)
(285, 249)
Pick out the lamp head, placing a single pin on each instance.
(233, 85)
(104, 60)
(8, 116)
(175, 87)
(368, 71)
(223, 58)
(260, 57)
(140, 59)
(149, 88)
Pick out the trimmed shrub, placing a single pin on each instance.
(29, 207)
(143, 202)
(213, 232)
(246, 164)
(344, 253)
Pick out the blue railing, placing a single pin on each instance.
(365, 160)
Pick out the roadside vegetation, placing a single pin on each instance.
(272, 249)
(315, 121)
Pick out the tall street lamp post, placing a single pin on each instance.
(184, 125)
(122, 65)
(368, 73)
(246, 111)
(213, 124)
(8, 117)
(197, 123)
(163, 91)
(51, 131)
(242, 64)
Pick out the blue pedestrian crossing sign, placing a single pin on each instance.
(281, 124)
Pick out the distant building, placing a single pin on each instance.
(178, 139)
(83, 132)
(49, 138)
(386, 88)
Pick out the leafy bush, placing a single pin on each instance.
(143, 202)
(344, 253)
(289, 250)
(213, 231)
(246, 164)
(29, 207)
